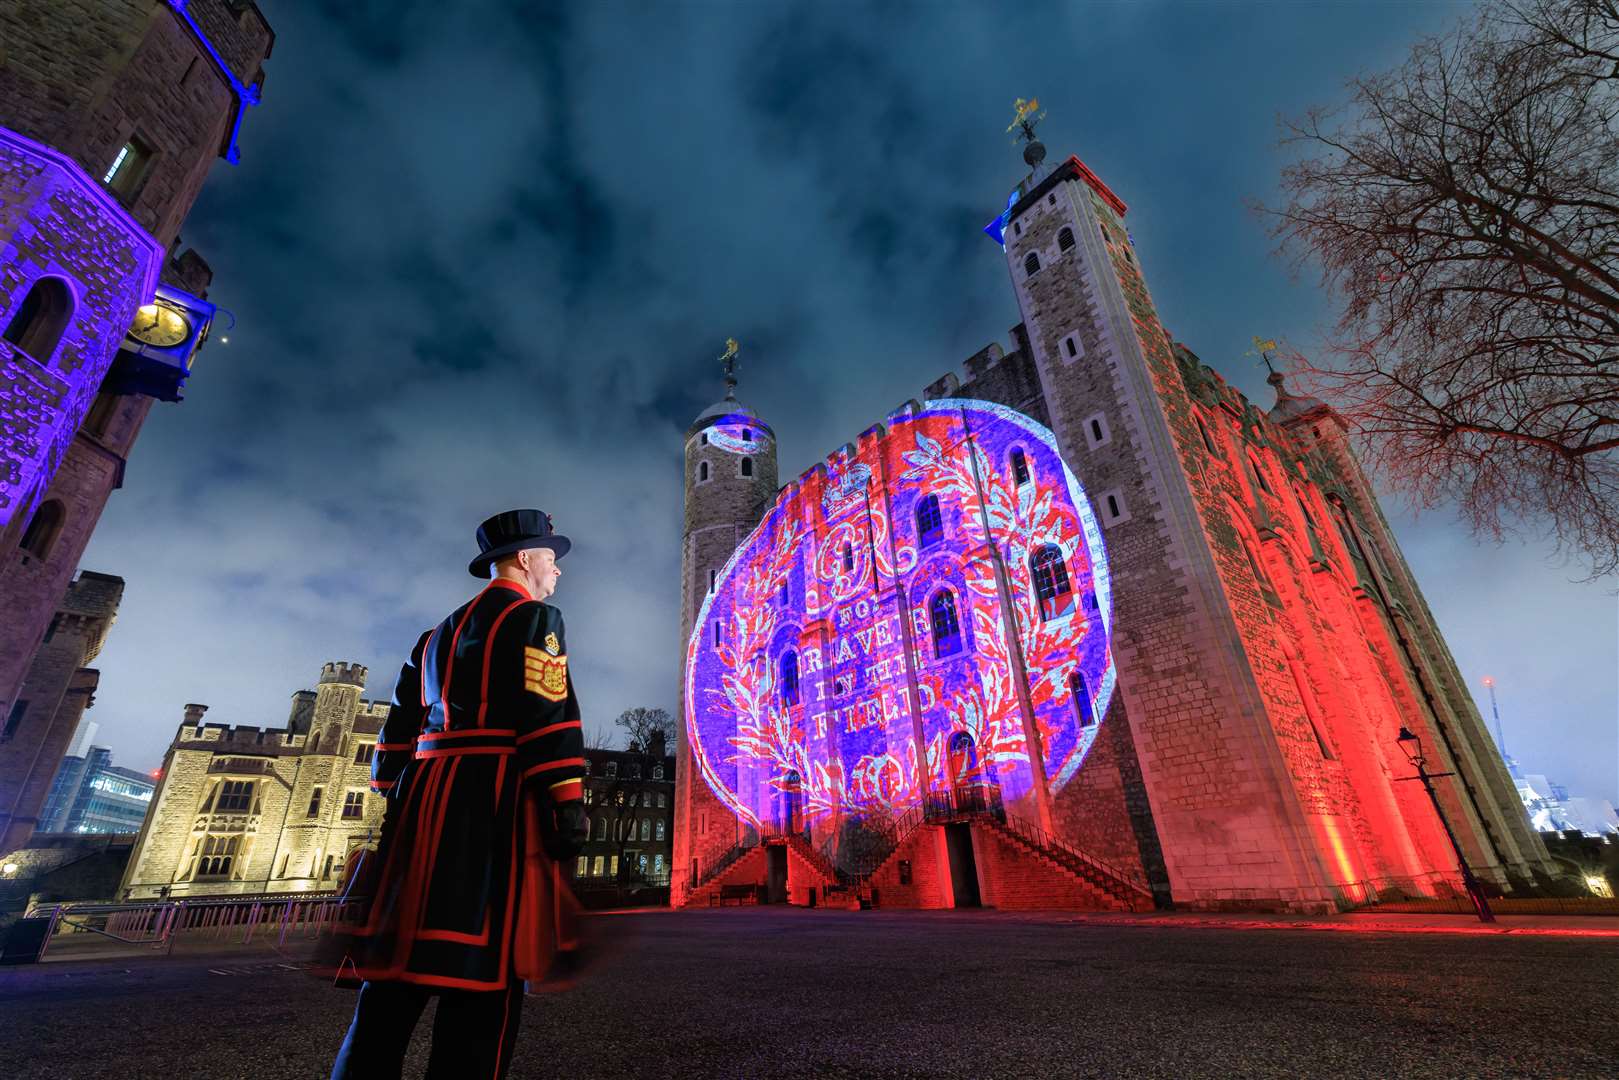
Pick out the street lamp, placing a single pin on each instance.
(1411, 746)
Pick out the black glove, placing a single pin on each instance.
(570, 828)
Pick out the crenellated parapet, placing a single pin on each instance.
(337, 671)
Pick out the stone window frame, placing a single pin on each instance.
(1071, 348)
(1097, 430)
(353, 805)
(38, 322)
(944, 624)
(126, 186)
(704, 473)
(1115, 510)
(744, 466)
(44, 530)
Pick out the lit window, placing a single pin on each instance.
(1020, 467)
(929, 524)
(659, 833)
(129, 167)
(663, 799)
(1051, 588)
(582, 867)
(1065, 239)
(646, 828)
(596, 866)
(354, 804)
(1081, 694)
(946, 626)
(1031, 263)
(612, 865)
(789, 678)
(657, 864)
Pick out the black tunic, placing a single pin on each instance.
(483, 736)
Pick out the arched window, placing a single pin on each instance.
(1084, 709)
(929, 525)
(1208, 440)
(789, 678)
(1020, 467)
(36, 327)
(44, 528)
(1051, 588)
(848, 556)
(1065, 239)
(747, 466)
(1031, 263)
(1259, 475)
(702, 470)
(946, 627)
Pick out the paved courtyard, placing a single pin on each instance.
(763, 993)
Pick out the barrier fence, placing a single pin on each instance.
(159, 924)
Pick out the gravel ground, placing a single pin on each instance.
(771, 993)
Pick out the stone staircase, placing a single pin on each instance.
(1111, 889)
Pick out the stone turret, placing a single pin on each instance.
(730, 482)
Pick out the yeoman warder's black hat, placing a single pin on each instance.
(511, 532)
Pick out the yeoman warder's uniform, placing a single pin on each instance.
(480, 757)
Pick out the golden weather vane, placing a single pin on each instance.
(728, 358)
(1022, 111)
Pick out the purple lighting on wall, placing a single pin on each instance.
(882, 634)
(245, 95)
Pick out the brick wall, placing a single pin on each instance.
(929, 886)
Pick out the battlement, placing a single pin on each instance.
(338, 671)
(243, 738)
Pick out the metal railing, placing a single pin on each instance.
(1101, 873)
(158, 924)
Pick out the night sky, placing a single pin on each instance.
(481, 259)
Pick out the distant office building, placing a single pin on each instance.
(92, 795)
(630, 798)
(1550, 808)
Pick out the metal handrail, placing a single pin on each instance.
(159, 923)
(1039, 837)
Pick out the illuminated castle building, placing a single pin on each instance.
(111, 115)
(246, 810)
(1085, 628)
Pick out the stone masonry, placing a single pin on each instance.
(246, 810)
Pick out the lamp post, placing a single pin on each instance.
(1411, 746)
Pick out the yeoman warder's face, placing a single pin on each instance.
(541, 567)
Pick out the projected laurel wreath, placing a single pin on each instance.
(897, 620)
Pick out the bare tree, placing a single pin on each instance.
(640, 724)
(1464, 209)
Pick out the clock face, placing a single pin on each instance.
(160, 325)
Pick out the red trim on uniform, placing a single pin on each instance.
(461, 733)
(382, 785)
(456, 937)
(385, 747)
(489, 653)
(547, 730)
(547, 766)
(568, 790)
(508, 583)
(463, 751)
(500, 1043)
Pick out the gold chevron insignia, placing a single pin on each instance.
(553, 646)
(544, 674)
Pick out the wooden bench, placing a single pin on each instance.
(739, 894)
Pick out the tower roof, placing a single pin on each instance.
(1289, 406)
(727, 405)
